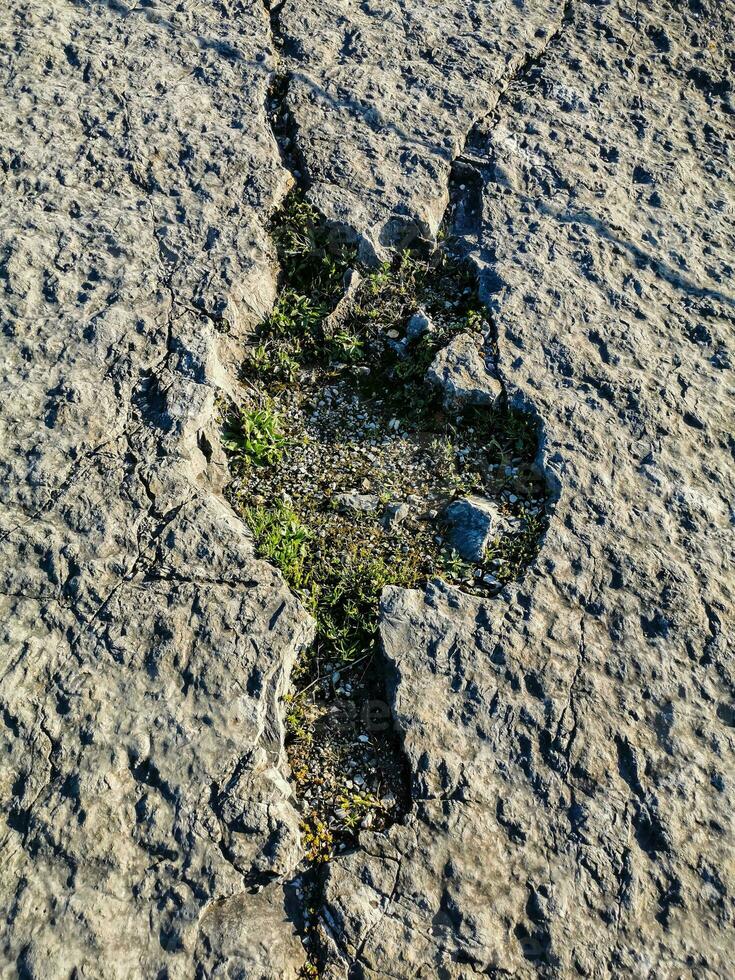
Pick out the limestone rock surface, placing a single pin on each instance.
(570, 746)
(383, 94)
(418, 325)
(571, 749)
(144, 649)
(459, 370)
(359, 502)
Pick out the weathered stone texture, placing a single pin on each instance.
(384, 93)
(461, 373)
(571, 743)
(144, 649)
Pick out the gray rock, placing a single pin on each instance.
(395, 513)
(337, 318)
(418, 325)
(399, 347)
(250, 937)
(359, 502)
(383, 96)
(459, 370)
(473, 522)
(351, 283)
(144, 648)
(570, 747)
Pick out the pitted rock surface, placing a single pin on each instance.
(144, 648)
(571, 742)
(384, 92)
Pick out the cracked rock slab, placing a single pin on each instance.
(459, 370)
(144, 648)
(582, 728)
(570, 749)
(383, 94)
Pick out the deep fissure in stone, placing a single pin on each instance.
(340, 435)
(345, 458)
(344, 461)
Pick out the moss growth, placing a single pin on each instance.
(341, 590)
(355, 806)
(314, 261)
(297, 722)
(317, 839)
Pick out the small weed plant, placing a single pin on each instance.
(254, 436)
(282, 538)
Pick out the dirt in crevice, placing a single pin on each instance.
(344, 459)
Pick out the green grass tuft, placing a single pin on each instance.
(514, 553)
(314, 258)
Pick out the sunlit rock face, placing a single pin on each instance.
(569, 742)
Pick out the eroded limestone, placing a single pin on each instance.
(571, 749)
